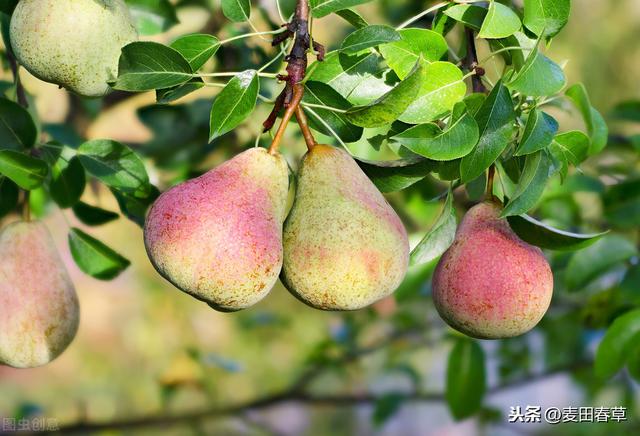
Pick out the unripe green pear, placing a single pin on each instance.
(219, 237)
(490, 284)
(39, 311)
(344, 246)
(72, 43)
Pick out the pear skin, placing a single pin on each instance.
(344, 246)
(219, 237)
(39, 311)
(490, 284)
(72, 43)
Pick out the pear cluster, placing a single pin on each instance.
(73, 43)
(39, 310)
(490, 284)
(225, 237)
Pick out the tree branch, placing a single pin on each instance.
(297, 63)
(471, 62)
(291, 396)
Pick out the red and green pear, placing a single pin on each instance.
(344, 246)
(39, 311)
(490, 284)
(219, 237)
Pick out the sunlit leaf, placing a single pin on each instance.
(439, 238)
(94, 258)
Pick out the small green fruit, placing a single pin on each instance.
(39, 310)
(344, 246)
(219, 237)
(72, 43)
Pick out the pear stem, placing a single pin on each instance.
(490, 180)
(26, 207)
(297, 62)
(298, 93)
(304, 127)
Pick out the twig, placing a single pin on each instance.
(471, 62)
(297, 63)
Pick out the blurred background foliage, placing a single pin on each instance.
(146, 349)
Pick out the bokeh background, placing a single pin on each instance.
(144, 348)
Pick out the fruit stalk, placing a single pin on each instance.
(490, 178)
(297, 63)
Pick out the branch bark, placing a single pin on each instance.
(297, 63)
(471, 62)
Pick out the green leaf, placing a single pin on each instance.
(599, 134)
(196, 48)
(167, 95)
(7, 6)
(466, 378)
(456, 141)
(496, 122)
(597, 127)
(114, 164)
(402, 55)
(152, 16)
(538, 133)
(387, 108)
(569, 148)
(148, 65)
(319, 93)
(358, 77)
(622, 204)
(620, 340)
(500, 22)
(135, 207)
(8, 196)
(237, 11)
(93, 216)
(68, 181)
(353, 18)
(470, 15)
(597, 259)
(367, 37)
(387, 406)
(537, 171)
(26, 171)
(546, 17)
(539, 76)
(439, 238)
(322, 8)
(633, 363)
(442, 88)
(94, 257)
(627, 111)
(17, 128)
(544, 236)
(396, 175)
(234, 103)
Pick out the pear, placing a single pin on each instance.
(39, 311)
(490, 284)
(219, 237)
(72, 43)
(344, 246)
